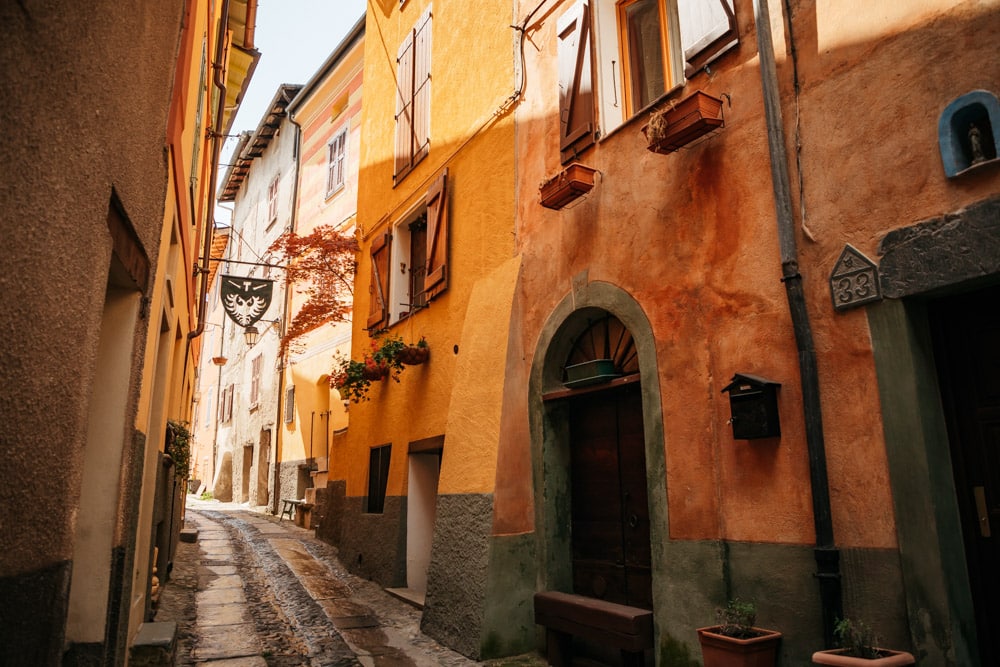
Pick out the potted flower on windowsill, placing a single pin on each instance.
(736, 641)
(859, 648)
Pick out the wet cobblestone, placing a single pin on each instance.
(295, 596)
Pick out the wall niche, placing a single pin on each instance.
(967, 132)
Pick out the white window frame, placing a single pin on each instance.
(336, 165)
(610, 68)
(703, 20)
(402, 303)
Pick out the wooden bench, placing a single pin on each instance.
(288, 508)
(565, 615)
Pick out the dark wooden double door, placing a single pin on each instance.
(967, 350)
(610, 511)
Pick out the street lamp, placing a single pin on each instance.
(251, 334)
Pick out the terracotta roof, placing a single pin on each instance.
(252, 146)
(219, 242)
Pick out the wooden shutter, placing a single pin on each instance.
(378, 304)
(576, 81)
(422, 87)
(404, 108)
(290, 405)
(708, 29)
(436, 278)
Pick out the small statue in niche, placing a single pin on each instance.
(976, 144)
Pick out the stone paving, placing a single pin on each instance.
(256, 592)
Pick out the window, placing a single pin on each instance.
(413, 97)
(255, 366)
(336, 163)
(378, 477)
(290, 404)
(644, 50)
(410, 263)
(226, 404)
(272, 200)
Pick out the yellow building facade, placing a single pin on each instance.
(417, 463)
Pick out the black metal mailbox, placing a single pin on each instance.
(753, 401)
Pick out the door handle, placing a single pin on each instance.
(979, 493)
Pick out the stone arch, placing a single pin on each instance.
(549, 428)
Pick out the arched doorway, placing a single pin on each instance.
(558, 415)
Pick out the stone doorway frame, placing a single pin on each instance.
(549, 428)
(928, 259)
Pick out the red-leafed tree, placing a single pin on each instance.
(321, 266)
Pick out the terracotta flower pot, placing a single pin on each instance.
(374, 373)
(888, 659)
(413, 355)
(723, 651)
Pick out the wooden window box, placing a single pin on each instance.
(569, 184)
(673, 128)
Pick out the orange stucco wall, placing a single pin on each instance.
(692, 237)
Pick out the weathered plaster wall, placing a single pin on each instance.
(374, 545)
(691, 237)
(84, 123)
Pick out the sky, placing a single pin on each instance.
(294, 38)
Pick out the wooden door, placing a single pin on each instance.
(610, 512)
(967, 350)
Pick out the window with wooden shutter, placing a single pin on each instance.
(436, 278)
(708, 29)
(290, 405)
(576, 94)
(378, 309)
(413, 97)
(255, 366)
(647, 47)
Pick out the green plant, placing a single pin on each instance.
(385, 353)
(736, 619)
(857, 639)
(178, 447)
(354, 378)
(206, 495)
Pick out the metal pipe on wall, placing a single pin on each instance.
(826, 553)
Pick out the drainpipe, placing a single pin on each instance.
(826, 553)
(219, 80)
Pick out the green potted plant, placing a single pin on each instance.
(385, 355)
(414, 354)
(735, 641)
(353, 378)
(859, 648)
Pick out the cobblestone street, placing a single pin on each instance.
(252, 591)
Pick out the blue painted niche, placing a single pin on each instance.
(960, 150)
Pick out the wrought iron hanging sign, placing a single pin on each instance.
(246, 299)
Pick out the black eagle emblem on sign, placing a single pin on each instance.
(246, 300)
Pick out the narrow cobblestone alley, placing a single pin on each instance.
(253, 591)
